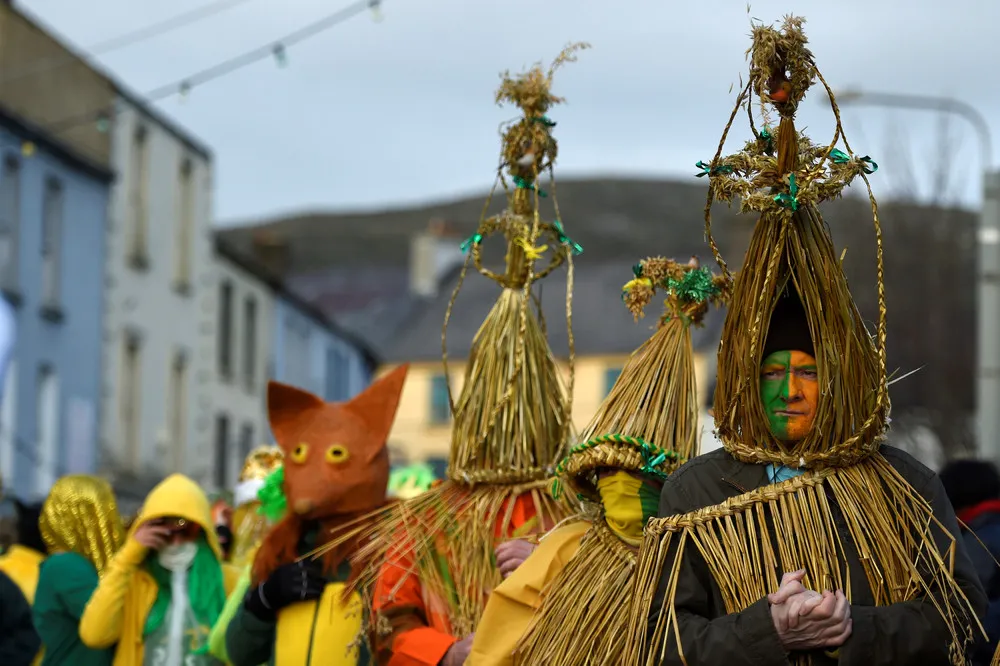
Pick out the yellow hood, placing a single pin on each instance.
(180, 497)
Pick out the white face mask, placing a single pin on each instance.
(177, 556)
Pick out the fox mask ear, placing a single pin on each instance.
(285, 405)
(377, 406)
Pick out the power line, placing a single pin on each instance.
(275, 49)
(127, 39)
(164, 26)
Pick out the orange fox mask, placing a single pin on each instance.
(336, 460)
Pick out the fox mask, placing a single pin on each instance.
(336, 460)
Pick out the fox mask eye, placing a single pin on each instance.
(299, 453)
(337, 454)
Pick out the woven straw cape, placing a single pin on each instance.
(647, 424)
(782, 176)
(512, 417)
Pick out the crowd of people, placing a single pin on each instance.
(803, 540)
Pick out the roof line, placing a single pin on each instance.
(225, 250)
(27, 130)
(123, 90)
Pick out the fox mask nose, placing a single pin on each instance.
(302, 506)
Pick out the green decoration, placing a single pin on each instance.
(273, 503)
(789, 199)
(697, 285)
(474, 239)
(566, 240)
(709, 170)
(522, 184)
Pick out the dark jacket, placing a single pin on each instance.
(905, 634)
(983, 544)
(19, 643)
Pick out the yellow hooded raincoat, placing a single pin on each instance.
(118, 609)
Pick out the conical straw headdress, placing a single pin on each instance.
(512, 418)
(649, 421)
(782, 176)
(850, 498)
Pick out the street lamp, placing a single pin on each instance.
(988, 341)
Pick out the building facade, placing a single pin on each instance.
(53, 208)
(310, 353)
(160, 318)
(244, 307)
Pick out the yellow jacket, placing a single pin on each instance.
(21, 563)
(118, 609)
(514, 602)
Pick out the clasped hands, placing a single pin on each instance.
(809, 620)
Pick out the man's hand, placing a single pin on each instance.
(290, 583)
(809, 620)
(511, 554)
(152, 535)
(458, 653)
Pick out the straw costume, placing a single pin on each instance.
(567, 603)
(833, 501)
(511, 420)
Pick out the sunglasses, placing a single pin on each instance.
(178, 526)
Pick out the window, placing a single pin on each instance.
(185, 226)
(250, 343)
(138, 239)
(337, 375)
(226, 329)
(610, 377)
(8, 424)
(47, 410)
(440, 407)
(52, 223)
(10, 221)
(178, 408)
(131, 399)
(246, 440)
(221, 450)
(297, 353)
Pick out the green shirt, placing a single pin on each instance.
(65, 583)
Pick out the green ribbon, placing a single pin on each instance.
(697, 285)
(709, 170)
(575, 247)
(839, 157)
(789, 199)
(868, 165)
(544, 120)
(522, 184)
(474, 239)
(768, 139)
(637, 270)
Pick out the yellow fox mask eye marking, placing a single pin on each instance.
(299, 453)
(337, 454)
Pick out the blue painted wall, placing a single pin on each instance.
(308, 355)
(70, 346)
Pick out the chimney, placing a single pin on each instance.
(272, 252)
(434, 251)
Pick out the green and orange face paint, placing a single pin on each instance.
(789, 390)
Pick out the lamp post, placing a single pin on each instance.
(988, 292)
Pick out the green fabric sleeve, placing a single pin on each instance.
(217, 639)
(77, 580)
(249, 640)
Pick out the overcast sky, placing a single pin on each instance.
(378, 114)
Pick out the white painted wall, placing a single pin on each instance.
(241, 398)
(146, 303)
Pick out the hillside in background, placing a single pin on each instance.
(355, 267)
